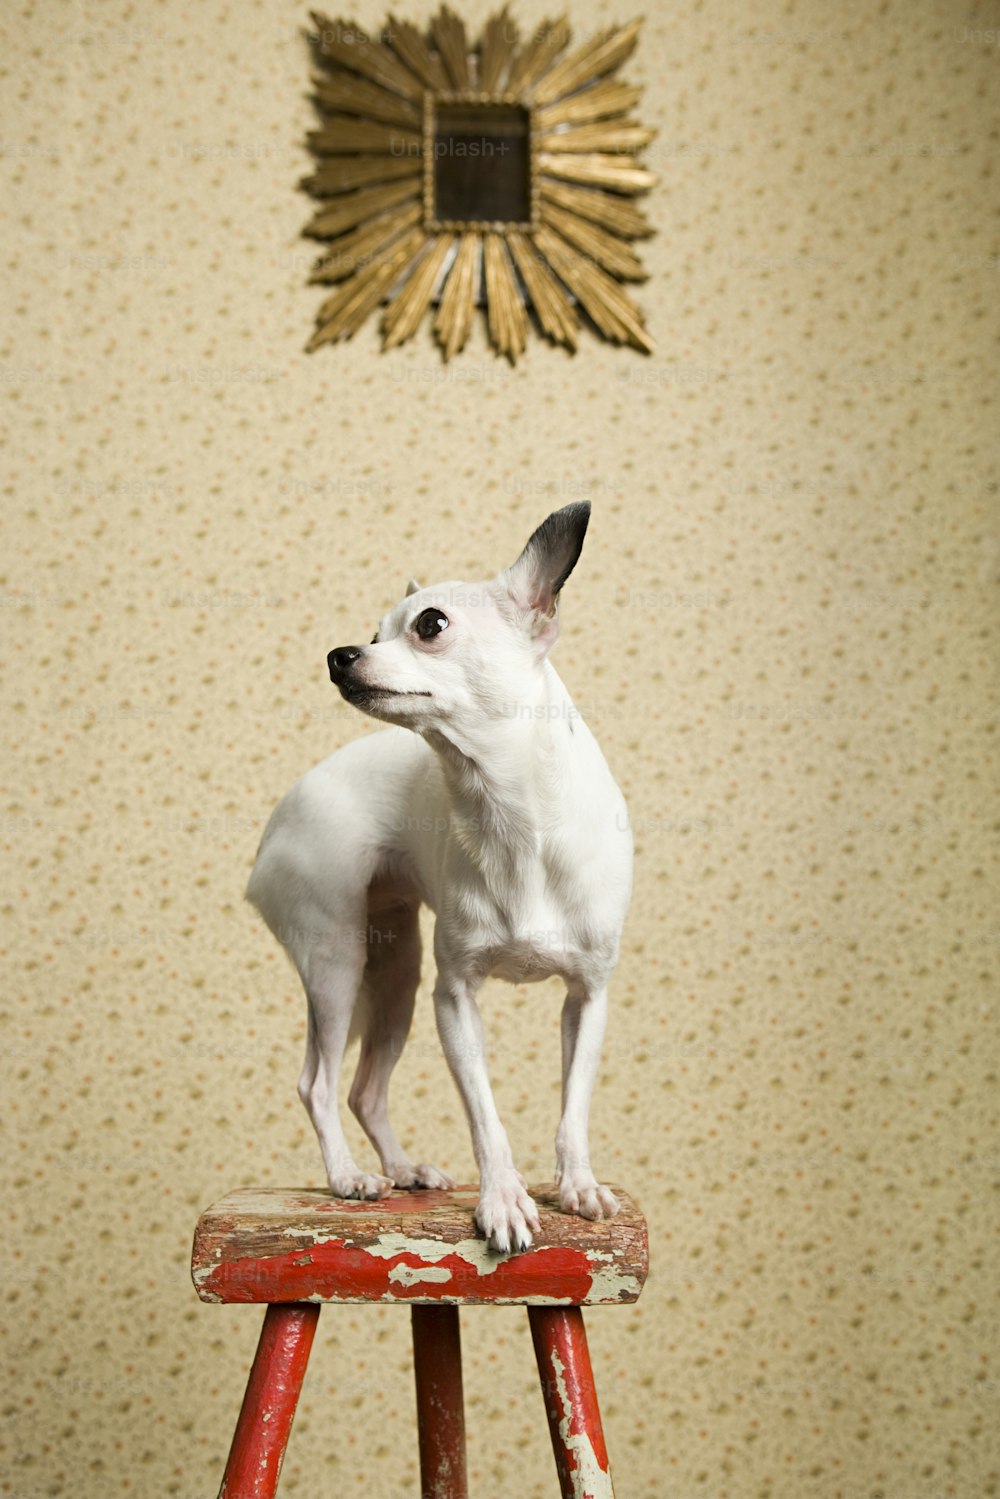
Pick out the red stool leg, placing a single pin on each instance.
(437, 1368)
(571, 1402)
(272, 1394)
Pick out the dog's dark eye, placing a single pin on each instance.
(430, 623)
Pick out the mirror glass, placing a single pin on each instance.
(482, 163)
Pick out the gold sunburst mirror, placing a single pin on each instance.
(504, 173)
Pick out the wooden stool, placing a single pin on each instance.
(294, 1249)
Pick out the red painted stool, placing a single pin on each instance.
(294, 1249)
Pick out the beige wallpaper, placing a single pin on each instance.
(782, 629)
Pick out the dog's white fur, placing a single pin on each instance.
(490, 801)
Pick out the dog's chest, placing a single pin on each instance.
(539, 939)
(524, 911)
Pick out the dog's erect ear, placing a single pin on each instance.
(412, 587)
(533, 582)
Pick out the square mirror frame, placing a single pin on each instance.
(567, 266)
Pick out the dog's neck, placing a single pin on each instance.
(507, 780)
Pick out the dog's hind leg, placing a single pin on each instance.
(391, 978)
(332, 977)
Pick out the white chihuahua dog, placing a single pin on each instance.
(490, 802)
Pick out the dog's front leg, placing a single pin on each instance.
(505, 1213)
(584, 1017)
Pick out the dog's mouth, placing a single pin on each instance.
(358, 692)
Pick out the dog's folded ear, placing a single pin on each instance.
(533, 582)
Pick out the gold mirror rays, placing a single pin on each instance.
(505, 170)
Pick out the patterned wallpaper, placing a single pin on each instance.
(782, 630)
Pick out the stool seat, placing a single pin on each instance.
(279, 1244)
(294, 1248)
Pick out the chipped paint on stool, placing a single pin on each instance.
(574, 1416)
(280, 1244)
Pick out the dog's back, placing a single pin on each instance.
(338, 834)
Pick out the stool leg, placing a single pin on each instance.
(437, 1368)
(571, 1402)
(272, 1394)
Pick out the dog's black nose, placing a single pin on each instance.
(341, 660)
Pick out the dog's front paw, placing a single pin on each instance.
(506, 1213)
(580, 1193)
(361, 1184)
(405, 1174)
